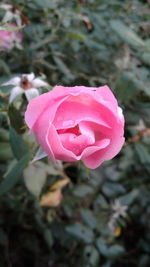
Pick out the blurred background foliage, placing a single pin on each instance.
(103, 217)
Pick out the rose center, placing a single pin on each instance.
(74, 130)
(74, 140)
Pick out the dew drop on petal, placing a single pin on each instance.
(68, 123)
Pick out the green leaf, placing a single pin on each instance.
(127, 86)
(45, 4)
(81, 232)
(63, 68)
(83, 190)
(129, 198)
(5, 151)
(77, 36)
(145, 57)
(91, 256)
(88, 218)
(17, 145)
(48, 237)
(142, 153)
(95, 45)
(10, 166)
(101, 201)
(4, 135)
(35, 178)
(3, 237)
(16, 119)
(128, 36)
(110, 189)
(14, 175)
(111, 252)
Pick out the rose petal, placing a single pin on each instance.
(116, 142)
(42, 124)
(105, 93)
(101, 145)
(54, 143)
(86, 130)
(40, 130)
(78, 112)
(97, 158)
(74, 143)
(96, 131)
(35, 107)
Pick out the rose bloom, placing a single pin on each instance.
(10, 39)
(77, 123)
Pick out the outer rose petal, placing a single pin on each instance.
(116, 143)
(35, 108)
(103, 144)
(37, 105)
(78, 112)
(54, 143)
(40, 130)
(105, 93)
(97, 158)
(41, 127)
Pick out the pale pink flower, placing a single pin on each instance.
(11, 14)
(26, 84)
(77, 123)
(118, 211)
(10, 39)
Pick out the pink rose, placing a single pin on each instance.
(10, 39)
(5, 37)
(77, 123)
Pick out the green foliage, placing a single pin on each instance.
(128, 36)
(16, 120)
(111, 252)
(13, 176)
(79, 42)
(81, 231)
(17, 145)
